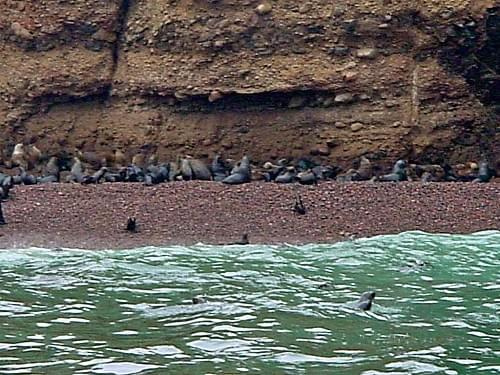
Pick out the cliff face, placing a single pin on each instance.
(336, 80)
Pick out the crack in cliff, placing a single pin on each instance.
(120, 28)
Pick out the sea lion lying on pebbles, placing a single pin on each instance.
(240, 174)
(2, 219)
(219, 168)
(485, 173)
(398, 173)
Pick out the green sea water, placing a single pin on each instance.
(268, 310)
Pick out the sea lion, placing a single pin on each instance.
(18, 157)
(52, 168)
(119, 159)
(186, 170)
(199, 170)
(33, 155)
(365, 301)
(197, 300)
(272, 171)
(325, 172)
(240, 174)
(244, 240)
(219, 168)
(364, 171)
(27, 179)
(95, 178)
(139, 160)
(2, 218)
(50, 179)
(299, 207)
(398, 173)
(91, 158)
(307, 178)
(485, 173)
(76, 172)
(131, 225)
(288, 176)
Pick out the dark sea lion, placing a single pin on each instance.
(365, 301)
(132, 173)
(325, 172)
(449, 173)
(307, 178)
(219, 168)
(7, 183)
(27, 179)
(287, 177)
(131, 225)
(96, 177)
(244, 240)
(299, 207)
(2, 218)
(148, 180)
(304, 164)
(197, 300)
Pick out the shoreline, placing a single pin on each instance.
(185, 213)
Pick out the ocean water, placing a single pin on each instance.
(268, 310)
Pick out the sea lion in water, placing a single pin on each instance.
(197, 300)
(365, 301)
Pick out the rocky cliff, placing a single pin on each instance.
(335, 80)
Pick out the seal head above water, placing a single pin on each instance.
(365, 301)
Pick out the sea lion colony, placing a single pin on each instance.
(30, 166)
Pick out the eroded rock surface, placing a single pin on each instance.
(382, 78)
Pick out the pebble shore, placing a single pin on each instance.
(184, 213)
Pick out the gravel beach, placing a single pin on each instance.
(183, 213)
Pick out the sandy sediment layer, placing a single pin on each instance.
(94, 217)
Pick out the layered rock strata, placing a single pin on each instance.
(381, 78)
